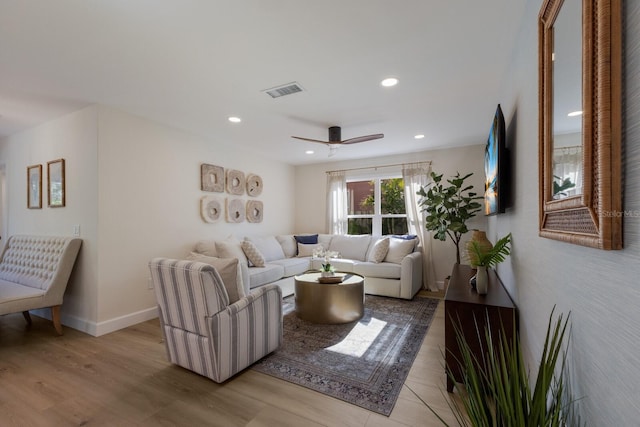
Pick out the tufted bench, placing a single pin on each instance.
(34, 271)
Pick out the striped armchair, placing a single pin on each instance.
(202, 332)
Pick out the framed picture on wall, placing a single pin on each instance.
(55, 181)
(34, 187)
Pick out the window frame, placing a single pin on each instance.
(377, 216)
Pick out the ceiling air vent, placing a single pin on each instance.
(288, 89)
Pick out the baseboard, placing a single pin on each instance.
(121, 322)
(101, 328)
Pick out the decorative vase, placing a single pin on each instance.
(327, 273)
(482, 280)
(484, 244)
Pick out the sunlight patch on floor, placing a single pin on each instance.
(359, 339)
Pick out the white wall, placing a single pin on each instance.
(133, 186)
(600, 288)
(311, 182)
(149, 177)
(74, 138)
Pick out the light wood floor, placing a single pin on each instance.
(123, 379)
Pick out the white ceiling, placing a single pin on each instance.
(193, 63)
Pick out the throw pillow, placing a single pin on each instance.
(268, 247)
(307, 239)
(253, 254)
(379, 250)
(230, 248)
(405, 236)
(398, 249)
(206, 247)
(307, 250)
(289, 245)
(229, 271)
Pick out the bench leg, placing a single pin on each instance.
(55, 316)
(27, 317)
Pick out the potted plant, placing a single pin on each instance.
(327, 269)
(497, 389)
(448, 208)
(483, 257)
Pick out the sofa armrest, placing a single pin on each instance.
(246, 331)
(411, 275)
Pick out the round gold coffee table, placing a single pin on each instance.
(329, 303)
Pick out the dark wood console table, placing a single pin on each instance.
(463, 304)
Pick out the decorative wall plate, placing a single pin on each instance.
(212, 178)
(254, 185)
(254, 211)
(235, 182)
(235, 210)
(210, 209)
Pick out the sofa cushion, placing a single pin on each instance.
(254, 256)
(384, 270)
(229, 271)
(230, 248)
(10, 291)
(268, 247)
(206, 247)
(379, 250)
(398, 249)
(288, 244)
(293, 266)
(325, 240)
(351, 247)
(308, 250)
(259, 276)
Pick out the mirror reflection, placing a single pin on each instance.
(567, 101)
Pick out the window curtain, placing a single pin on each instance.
(415, 176)
(337, 203)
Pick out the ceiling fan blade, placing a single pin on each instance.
(311, 140)
(363, 138)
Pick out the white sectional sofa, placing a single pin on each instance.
(395, 272)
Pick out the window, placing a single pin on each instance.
(376, 206)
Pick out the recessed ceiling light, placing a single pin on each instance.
(574, 113)
(390, 81)
(419, 136)
(309, 152)
(234, 119)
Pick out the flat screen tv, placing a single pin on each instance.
(495, 167)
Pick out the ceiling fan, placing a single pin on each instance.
(335, 138)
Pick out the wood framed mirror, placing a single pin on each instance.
(580, 187)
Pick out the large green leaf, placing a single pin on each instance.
(448, 208)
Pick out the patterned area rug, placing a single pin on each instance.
(365, 362)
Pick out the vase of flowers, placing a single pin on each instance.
(327, 269)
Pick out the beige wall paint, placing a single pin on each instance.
(133, 186)
(311, 181)
(74, 138)
(600, 288)
(149, 190)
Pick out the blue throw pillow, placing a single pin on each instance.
(405, 236)
(307, 239)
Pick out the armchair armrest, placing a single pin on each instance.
(246, 331)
